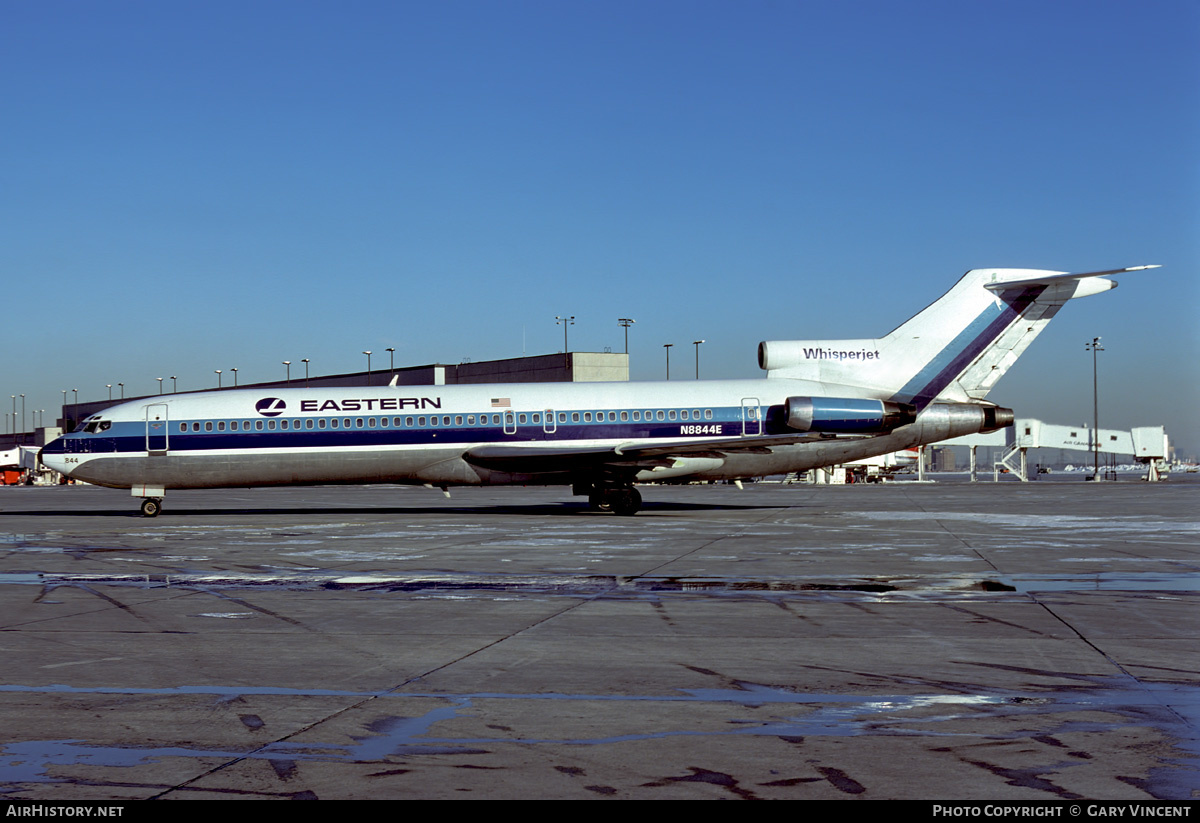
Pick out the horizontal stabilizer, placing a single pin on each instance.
(1050, 278)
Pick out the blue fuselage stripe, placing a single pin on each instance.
(130, 437)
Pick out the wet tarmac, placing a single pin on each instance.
(937, 641)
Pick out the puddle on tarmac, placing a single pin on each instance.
(1111, 704)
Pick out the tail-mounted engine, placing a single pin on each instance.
(847, 415)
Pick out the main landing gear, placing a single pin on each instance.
(624, 500)
(151, 506)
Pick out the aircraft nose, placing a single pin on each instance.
(52, 456)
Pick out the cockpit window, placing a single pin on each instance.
(95, 426)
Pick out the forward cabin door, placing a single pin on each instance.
(157, 437)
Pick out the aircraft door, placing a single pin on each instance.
(510, 422)
(549, 424)
(157, 437)
(751, 417)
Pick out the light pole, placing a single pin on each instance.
(626, 322)
(668, 346)
(391, 360)
(22, 418)
(288, 364)
(697, 343)
(368, 354)
(122, 385)
(565, 322)
(234, 370)
(305, 362)
(109, 385)
(1094, 347)
(160, 387)
(218, 373)
(174, 385)
(14, 418)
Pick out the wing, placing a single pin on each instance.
(538, 459)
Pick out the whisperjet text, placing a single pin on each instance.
(831, 354)
(371, 404)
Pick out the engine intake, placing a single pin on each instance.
(847, 415)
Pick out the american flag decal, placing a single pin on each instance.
(501, 402)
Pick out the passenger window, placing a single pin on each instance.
(458, 419)
(308, 424)
(683, 414)
(671, 414)
(470, 420)
(195, 427)
(283, 424)
(574, 417)
(562, 417)
(271, 425)
(695, 414)
(408, 421)
(624, 416)
(637, 415)
(660, 414)
(346, 423)
(183, 427)
(521, 418)
(208, 425)
(445, 420)
(587, 417)
(333, 423)
(537, 417)
(421, 421)
(220, 425)
(321, 423)
(708, 414)
(371, 423)
(258, 425)
(358, 423)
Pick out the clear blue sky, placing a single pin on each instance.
(190, 186)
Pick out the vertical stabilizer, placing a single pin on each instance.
(955, 350)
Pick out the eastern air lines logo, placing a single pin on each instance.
(270, 407)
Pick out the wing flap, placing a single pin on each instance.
(536, 459)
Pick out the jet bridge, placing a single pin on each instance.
(1147, 444)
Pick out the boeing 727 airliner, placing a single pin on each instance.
(822, 402)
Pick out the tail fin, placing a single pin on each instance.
(955, 350)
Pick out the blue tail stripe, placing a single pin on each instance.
(950, 362)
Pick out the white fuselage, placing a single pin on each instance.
(422, 434)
